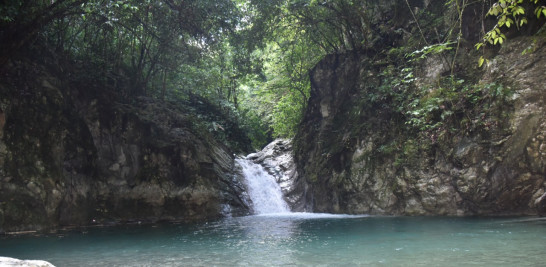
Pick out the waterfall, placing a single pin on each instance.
(265, 193)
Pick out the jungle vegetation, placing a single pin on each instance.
(251, 58)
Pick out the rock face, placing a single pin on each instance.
(277, 160)
(357, 159)
(69, 157)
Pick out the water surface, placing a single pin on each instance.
(296, 239)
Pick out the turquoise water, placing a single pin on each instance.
(296, 240)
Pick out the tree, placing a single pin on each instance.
(291, 37)
(21, 21)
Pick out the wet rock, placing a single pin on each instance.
(277, 160)
(2, 122)
(11, 262)
(540, 204)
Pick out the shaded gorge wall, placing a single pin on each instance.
(70, 154)
(372, 142)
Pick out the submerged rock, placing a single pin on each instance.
(11, 262)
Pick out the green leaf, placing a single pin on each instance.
(481, 61)
(540, 10)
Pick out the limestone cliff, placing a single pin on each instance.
(71, 155)
(363, 155)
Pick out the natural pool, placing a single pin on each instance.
(298, 240)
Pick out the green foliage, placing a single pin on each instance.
(248, 58)
(8, 11)
(139, 47)
(291, 37)
(422, 117)
(457, 107)
(408, 153)
(430, 50)
(396, 87)
(165, 49)
(286, 63)
(221, 119)
(256, 129)
(508, 13)
(286, 117)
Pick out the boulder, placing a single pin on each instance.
(11, 262)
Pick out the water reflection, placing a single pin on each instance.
(296, 239)
(260, 240)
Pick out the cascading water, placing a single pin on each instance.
(263, 190)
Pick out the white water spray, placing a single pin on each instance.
(265, 193)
